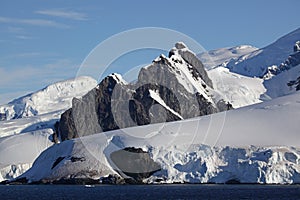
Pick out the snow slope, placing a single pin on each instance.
(237, 89)
(22, 139)
(23, 125)
(194, 150)
(278, 85)
(156, 97)
(18, 152)
(217, 57)
(256, 62)
(57, 96)
(237, 86)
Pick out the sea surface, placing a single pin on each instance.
(145, 192)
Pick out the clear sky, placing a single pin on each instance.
(46, 41)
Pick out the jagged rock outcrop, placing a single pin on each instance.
(295, 83)
(113, 180)
(171, 88)
(297, 46)
(191, 59)
(292, 61)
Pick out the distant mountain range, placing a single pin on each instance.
(57, 96)
(251, 61)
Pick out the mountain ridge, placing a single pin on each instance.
(189, 150)
(255, 64)
(178, 87)
(53, 97)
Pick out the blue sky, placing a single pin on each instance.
(46, 41)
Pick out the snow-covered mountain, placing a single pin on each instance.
(292, 61)
(250, 144)
(57, 96)
(27, 124)
(222, 56)
(171, 88)
(239, 86)
(23, 125)
(256, 63)
(193, 150)
(237, 89)
(284, 83)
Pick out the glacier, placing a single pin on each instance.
(17, 152)
(27, 129)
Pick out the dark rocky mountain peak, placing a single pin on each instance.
(169, 89)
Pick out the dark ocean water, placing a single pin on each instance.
(146, 192)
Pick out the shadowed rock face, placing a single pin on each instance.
(89, 115)
(135, 163)
(171, 88)
(2, 116)
(140, 105)
(66, 126)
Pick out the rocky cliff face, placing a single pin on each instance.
(171, 88)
